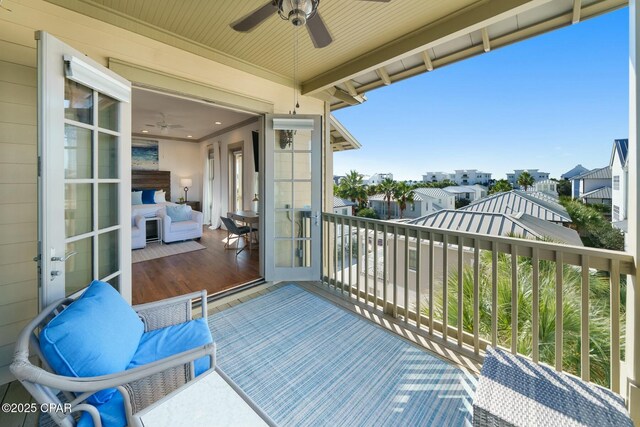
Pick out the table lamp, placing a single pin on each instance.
(186, 183)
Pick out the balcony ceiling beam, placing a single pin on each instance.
(472, 18)
(384, 76)
(427, 60)
(486, 43)
(577, 9)
(350, 88)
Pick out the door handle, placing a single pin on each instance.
(65, 257)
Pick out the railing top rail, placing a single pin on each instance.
(624, 258)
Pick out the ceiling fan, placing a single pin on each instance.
(164, 126)
(298, 12)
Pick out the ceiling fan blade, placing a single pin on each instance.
(175, 126)
(318, 31)
(252, 20)
(151, 126)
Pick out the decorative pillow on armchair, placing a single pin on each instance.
(179, 213)
(97, 334)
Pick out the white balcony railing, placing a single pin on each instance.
(554, 303)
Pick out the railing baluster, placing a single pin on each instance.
(358, 261)
(335, 253)
(418, 263)
(476, 296)
(366, 262)
(406, 275)
(375, 266)
(350, 254)
(384, 269)
(342, 268)
(535, 327)
(460, 289)
(514, 299)
(614, 307)
(494, 294)
(559, 315)
(431, 277)
(445, 278)
(585, 373)
(395, 271)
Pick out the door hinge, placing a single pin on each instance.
(39, 166)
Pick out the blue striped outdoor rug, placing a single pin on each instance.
(306, 362)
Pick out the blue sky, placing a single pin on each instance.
(546, 103)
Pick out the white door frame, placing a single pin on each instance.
(55, 58)
(308, 215)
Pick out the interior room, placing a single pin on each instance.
(204, 157)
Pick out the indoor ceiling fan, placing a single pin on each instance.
(298, 12)
(164, 126)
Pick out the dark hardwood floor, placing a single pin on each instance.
(214, 269)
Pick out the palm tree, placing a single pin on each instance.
(571, 301)
(501, 186)
(352, 187)
(403, 193)
(388, 188)
(525, 180)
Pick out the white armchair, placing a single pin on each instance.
(138, 232)
(182, 230)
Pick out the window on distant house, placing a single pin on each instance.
(345, 211)
(413, 260)
(616, 213)
(616, 182)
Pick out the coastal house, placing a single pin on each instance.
(343, 206)
(535, 173)
(425, 201)
(70, 73)
(460, 177)
(575, 171)
(593, 186)
(516, 202)
(619, 165)
(467, 192)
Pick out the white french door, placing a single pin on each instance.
(293, 197)
(84, 157)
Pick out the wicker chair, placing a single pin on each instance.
(139, 387)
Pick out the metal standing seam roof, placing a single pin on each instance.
(577, 170)
(498, 224)
(598, 193)
(434, 193)
(598, 173)
(544, 196)
(464, 188)
(339, 203)
(514, 201)
(621, 146)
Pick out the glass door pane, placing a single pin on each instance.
(92, 187)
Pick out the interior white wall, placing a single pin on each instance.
(233, 137)
(182, 159)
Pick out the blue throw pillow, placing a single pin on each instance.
(98, 334)
(136, 197)
(148, 197)
(179, 213)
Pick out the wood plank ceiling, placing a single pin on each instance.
(375, 43)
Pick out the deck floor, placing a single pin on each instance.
(214, 269)
(306, 348)
(15, 393)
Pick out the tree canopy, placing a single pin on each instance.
(525, 180)
(501, 186)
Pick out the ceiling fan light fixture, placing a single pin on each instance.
(297, 11)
